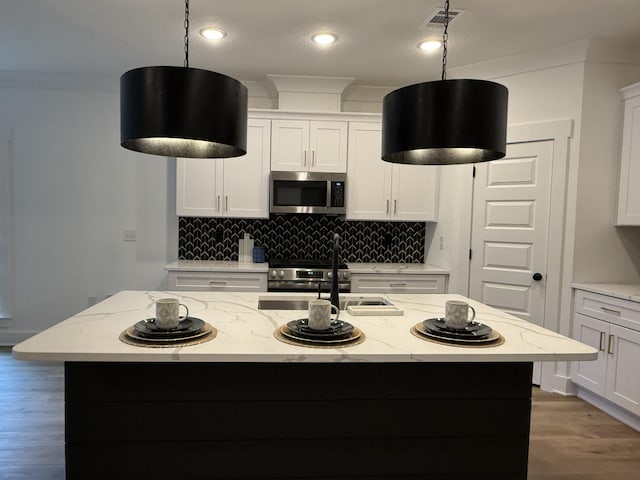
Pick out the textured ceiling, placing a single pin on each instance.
(377, 38)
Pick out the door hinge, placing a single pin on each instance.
(473, 174)
(470, 254)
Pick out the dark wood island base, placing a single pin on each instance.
(378, 421)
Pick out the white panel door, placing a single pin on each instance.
(510, 231)
(368, 177)
(290, 145)
(198, 187)
(328, 146)
(246, 178)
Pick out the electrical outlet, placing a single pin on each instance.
(129, 235)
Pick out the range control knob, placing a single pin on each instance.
(273, 274)
(281, 274)
(345, 275)
(330, 275)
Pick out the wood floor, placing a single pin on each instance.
(570, 439)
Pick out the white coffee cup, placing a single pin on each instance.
(457, 314)
(167, 313)
(320, 314)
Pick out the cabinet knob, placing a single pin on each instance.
(537, 277)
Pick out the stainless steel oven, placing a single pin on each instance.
(308, 192)
(293, 275)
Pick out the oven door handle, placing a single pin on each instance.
(273, 285)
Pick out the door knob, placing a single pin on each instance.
(537, 276)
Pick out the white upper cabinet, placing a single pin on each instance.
(629, 194)
(230, 187)
(308, 145)
(378, 190)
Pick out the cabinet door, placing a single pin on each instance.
(290, 145)
(623, 380)
(368, 177)
(246, 178)
(328, 146)
(199, 187)
(594, 333)
(415, 193)
(629, 195)
(399, 283)
(218, 281)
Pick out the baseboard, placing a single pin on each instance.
(609, 408)
(556, 382)
(12, 337)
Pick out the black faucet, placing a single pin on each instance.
(335, 297)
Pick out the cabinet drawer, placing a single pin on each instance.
(624, 313)
(218, 281)
(400, 283)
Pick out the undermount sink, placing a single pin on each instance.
(283, 302)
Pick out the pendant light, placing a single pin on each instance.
(445, 122)
(182, 111)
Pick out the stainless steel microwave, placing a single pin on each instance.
(308, 192)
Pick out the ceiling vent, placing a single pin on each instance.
(437, 18)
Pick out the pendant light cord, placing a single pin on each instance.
(445, 37)
(186, 33)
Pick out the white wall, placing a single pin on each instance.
(569, 83)
(603, 253)
(74, 189)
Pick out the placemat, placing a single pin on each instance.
(210, 335)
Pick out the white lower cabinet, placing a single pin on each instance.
(218, 281)
(613, 327)
(398, 283)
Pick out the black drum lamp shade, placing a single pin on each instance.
(445, 122)
(183, 112)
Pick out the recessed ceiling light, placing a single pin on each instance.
(430, 45)
(212, 33)
(324, 38)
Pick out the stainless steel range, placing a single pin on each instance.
(293, 275)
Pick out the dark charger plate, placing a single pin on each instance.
(187, 328)
(471, 331)
(338, 330)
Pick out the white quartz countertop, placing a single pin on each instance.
(405, 268)
(233, 266)
(624, 291)
(246, 334)
(216, 266)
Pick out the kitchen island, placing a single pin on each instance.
(245, 405)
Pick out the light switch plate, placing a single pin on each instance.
(129, 235)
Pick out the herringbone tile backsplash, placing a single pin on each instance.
(302, 236)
